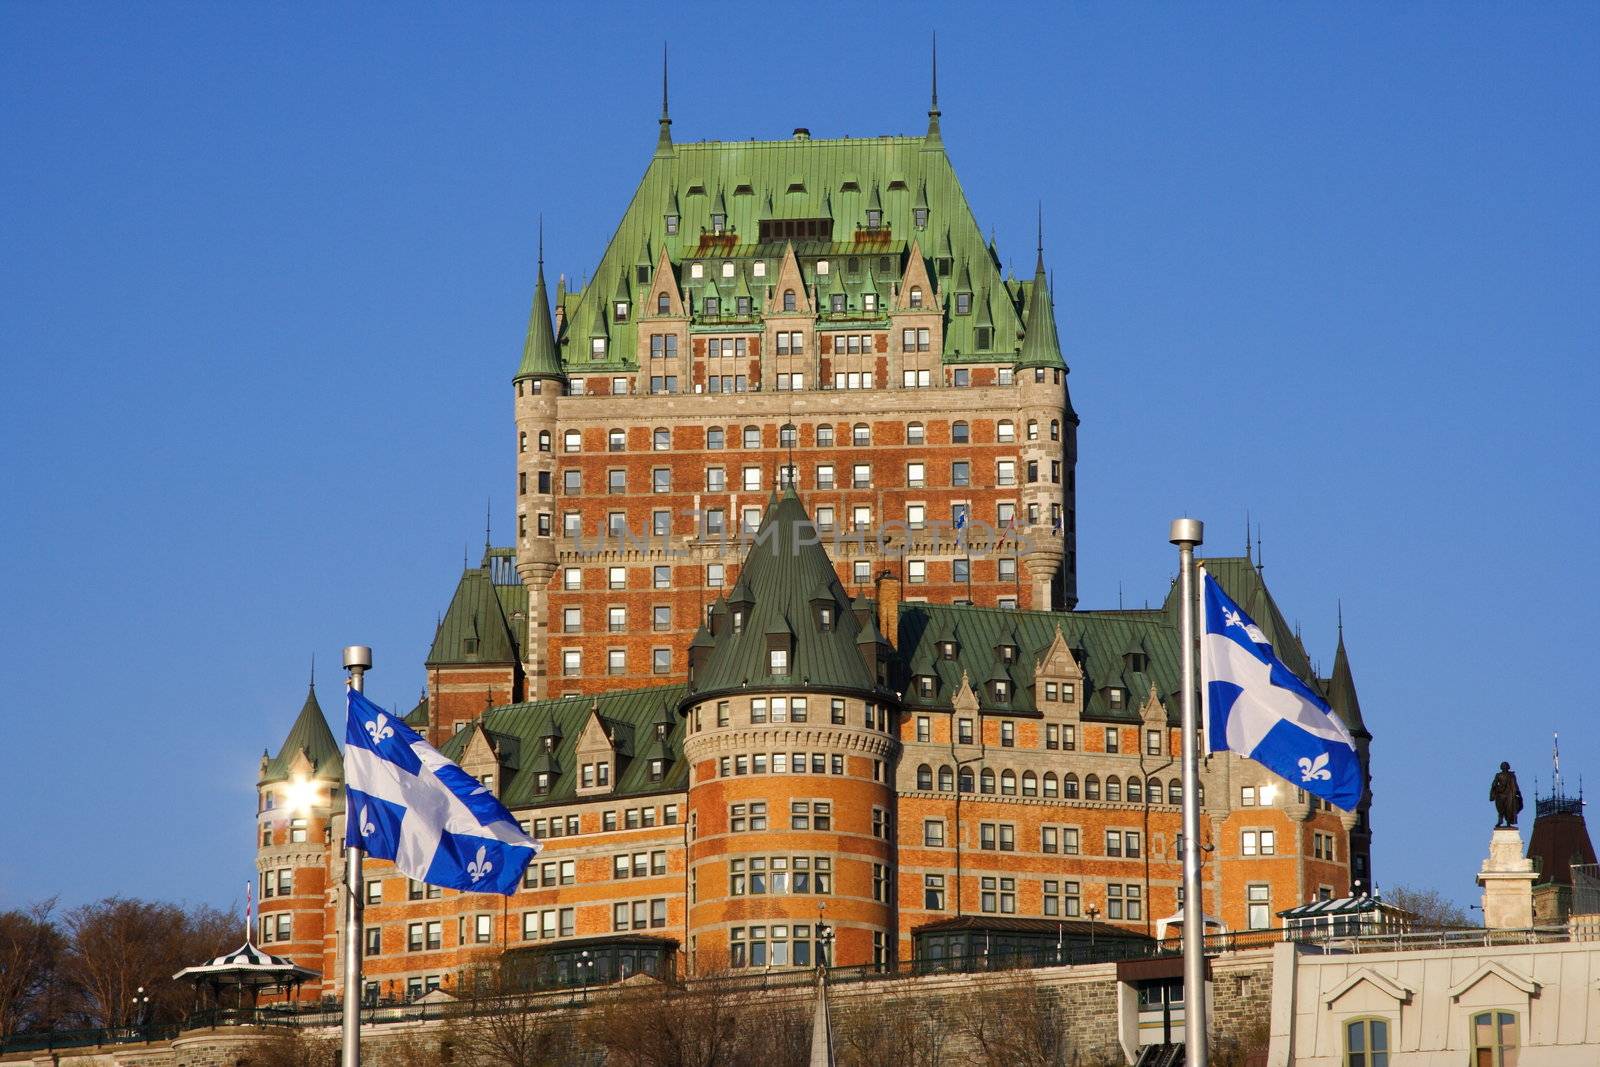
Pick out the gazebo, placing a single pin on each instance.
(248, 971)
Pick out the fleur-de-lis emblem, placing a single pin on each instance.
(479, 867)
(367, 829)
(381, 730)
(1312, 770)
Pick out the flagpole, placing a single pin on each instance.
(1186, 534)
(357, 660)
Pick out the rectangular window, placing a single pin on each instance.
(1258, 899)
(1113, 739)
(933, 833)
(1113, 842)
(933, 892)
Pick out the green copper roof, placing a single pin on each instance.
(633, 713)
(979, 634)
(786, 576)
(1341, 689)
(1041, 347)
(794, 179)
(310, 732)
(475, 628)
(540, 357)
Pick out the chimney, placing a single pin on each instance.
(888, 593)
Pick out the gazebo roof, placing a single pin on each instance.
(248, 967)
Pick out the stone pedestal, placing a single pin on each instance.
(1507, 880)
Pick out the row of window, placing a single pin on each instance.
(788, 434)
(779, 945)
(660, 383)
(788, 763)
(1066, 787)
(716, 481)
(793, 709)
(639, 864)
(997, 895)
(639, 914)
(279, 882)
(780, 875)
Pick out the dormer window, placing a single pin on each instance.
(983, 338)
(597, 348)
(1116, 696)
(1008, 653)
(914, 298)
(1136, 661)
(657, 769)
(778, 661)
(719, 222)
(825, 618)
(712, 306)
(925, 685)
(550, 742)
(963, 303)
(672, 224)
(919, 216)
(869, 301)
(469, 646)
(541, 782)
(1001, 690)
(788, 300)
(741, 304)
(836, 303)
(620, 311)
(738, 620)
(874, 219)
(947, 650)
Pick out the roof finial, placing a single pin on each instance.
(1340, 604)
(488, 523)
(1555, 759)
(1248, 558)
(1261, 564)
(1039, 266)
(933, 107)
(313, 670)
(664, 141)
(541, 244)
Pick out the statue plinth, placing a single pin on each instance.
(1507, 879)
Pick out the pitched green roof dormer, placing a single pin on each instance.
(1342, 692)
(779, 585)
(1040, 345)
(474, 629)
(309, 734)
(540, 357)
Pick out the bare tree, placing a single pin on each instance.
(513, 1033)
(291, 1049)
(1430, 909)
(906, 1030)
(30, 951)
(712, 1023)
(116, 945)
(1013, 1021)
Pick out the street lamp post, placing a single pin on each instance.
(585, 969)
(1094, 913)
(141, 1012)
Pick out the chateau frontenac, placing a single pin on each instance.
(786, 663)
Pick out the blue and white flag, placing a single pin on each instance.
(407, 803)
(1255, 706)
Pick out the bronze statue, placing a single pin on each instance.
(1506, 796)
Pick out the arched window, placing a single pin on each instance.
(1069, 786)
(914, 433)
(788, 300)
(544, 440)
(966, 779)
(915, 297)
(663, 304)
(1114, 788)
(960, 433)
(1005, 431)
(1008, 783)
(522, 441)
(1051, 788)
(1055, 430)
(1091, 787)
(986, 781)
(1175, 791)
(947, 779)
(860, 434)
(1033, 429)
(571, 441)
(1135, 791)
(1366, 1043)
(1030, 784)
(924, 777)
(1153, 788)
(752, 437)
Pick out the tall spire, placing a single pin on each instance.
(1038, 265)
(664, 139)
(933, 106)
(488, 523)
(539, 356)
(1041, 347)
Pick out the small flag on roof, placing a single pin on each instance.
(1257, 707)
(405, 802)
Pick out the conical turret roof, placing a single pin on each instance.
(540, 359)
(1342, 692)
(1040, 345)
(474, 629)
(780, 580)
(311, 735)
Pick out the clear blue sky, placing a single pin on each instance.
(265, 270)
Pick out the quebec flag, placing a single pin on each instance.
(1255, 706)
(407, 803)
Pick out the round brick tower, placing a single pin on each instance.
(539, 384)
(298, 789)
(1050, 455)
(791, 745)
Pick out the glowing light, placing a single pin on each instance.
(1269, 793)
(301, 795)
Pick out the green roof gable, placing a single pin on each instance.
(476, 627)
